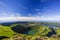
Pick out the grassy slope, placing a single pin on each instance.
(40, 30)
(37, 31)
(6, 31)
(57, 31)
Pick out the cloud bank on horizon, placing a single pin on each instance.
(29, 10)
(30, 19)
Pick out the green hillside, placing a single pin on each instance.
(6, 31)
(37, 32)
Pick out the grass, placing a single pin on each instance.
(6, 31)
(33, 34)
(42, 30)
(57, 31)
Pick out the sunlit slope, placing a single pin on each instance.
(33, 34)
(57, 31)
(40, 30)
(6, 31)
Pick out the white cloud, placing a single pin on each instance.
(30, 15)
(11, 14)
(2, 3)
(37, 9)
(15, 19)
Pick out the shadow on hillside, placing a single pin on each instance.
(2, 37)
(51, 33)
(21, 29)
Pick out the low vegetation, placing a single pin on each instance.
(37, 32)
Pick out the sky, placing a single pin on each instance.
(29, 10)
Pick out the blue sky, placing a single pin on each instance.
(30, 8)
